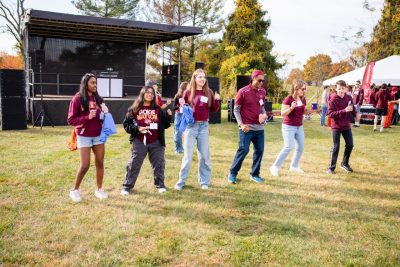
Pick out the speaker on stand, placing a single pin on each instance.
(213, 83)
(40, 60)
(169, 80)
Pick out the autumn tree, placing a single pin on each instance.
(247, 47)
(317, 68)
(107, 8)
(10, 61)
(339, 68)
(295, 74)
(386, 35)
(13, 16)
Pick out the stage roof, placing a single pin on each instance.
(60, 25)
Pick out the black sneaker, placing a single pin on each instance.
(356, 126)
(330, 171)
(347, 168)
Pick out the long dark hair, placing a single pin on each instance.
(139, 102)
(181, 89)
(83, 94)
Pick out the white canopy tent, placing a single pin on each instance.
(386, 70)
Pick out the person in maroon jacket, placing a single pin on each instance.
(339, 110)
(84, 113)
(358, 99)
(381, 100)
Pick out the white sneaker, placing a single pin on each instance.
(296, 169)
(124, 192)
(205, 187)
(177, 187)
(100, 193)
(381, 130)
(274, 170)
(162, 190)
(75, 195)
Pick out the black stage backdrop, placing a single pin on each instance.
(67, 60)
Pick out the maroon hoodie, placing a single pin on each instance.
(336, 110)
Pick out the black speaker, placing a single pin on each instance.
(13, 113)
(12, 100)
(199, 65)
(169, 80)
(242, 81)
(213, 83)
(40, 57)
(12, 83)
(268, 106)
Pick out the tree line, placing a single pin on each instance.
(243, 46)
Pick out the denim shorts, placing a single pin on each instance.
(357, 108)
(85, 141)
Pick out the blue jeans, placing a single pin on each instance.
(198, 131)
(177, 133)
(323, 115)
(255, 137)
(292, 135)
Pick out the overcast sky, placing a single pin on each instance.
(299, 28)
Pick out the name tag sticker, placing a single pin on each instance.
(204, 99)
(299, 103)
(181, 101)
(261, 102)
(153, 126)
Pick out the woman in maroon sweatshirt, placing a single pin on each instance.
(339, 109)
(84, 113)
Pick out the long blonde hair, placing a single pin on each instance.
(192, 87)
(296, 85)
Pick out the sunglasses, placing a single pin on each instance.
(261, 81)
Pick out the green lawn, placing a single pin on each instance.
(311, 219)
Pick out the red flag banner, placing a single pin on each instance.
(366, 82)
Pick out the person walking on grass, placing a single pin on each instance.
(293, 109)
(324, 104)
(202, 100)
(381, 100)
(146, 123)
(179, 101)
(250, 115)
(358, 99)
(84, 113)
(340, 107)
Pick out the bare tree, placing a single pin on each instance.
(13, 15)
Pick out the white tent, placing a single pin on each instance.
(386, 70)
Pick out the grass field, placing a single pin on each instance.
(311, 219)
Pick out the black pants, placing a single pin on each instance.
(348, 139)
(139, 152)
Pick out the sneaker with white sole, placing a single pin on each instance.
(124, 192)
(178, 187)
(205, 187)
(296, 169)
(75, 195)
(274, 170)
(256, 179)
(162, 190)
(100, 193)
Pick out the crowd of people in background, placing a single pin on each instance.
(148, 117)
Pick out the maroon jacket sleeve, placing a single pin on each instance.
(75, 117)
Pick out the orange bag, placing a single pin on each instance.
(72, 143)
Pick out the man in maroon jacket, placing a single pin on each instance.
(339, 109)
(381, 100)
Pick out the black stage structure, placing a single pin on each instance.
(67, 46)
